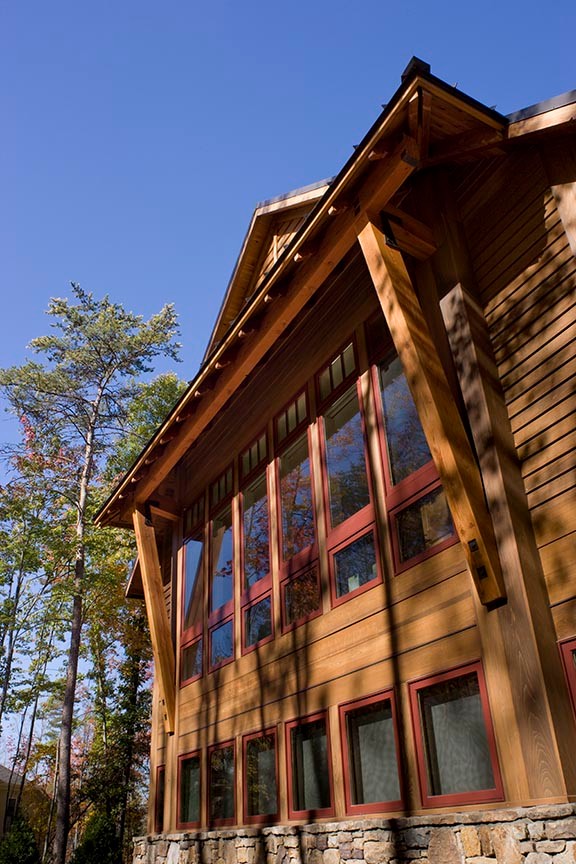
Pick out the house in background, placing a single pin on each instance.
(9, 783)
(356, 530)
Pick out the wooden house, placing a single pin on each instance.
(356, 530)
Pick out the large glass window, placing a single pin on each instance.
(193, 557)
(345, 458)
(455, 739)
(260, 786)
(258, 622)
(301, 597)
(222, 644)
(296, 502)
(191, 661)
(371, 769)
(255, 523)
(221, 581)
(221, 796)
(419, 515)
(310, 770)
(189, 790)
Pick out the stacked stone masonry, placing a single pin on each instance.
(531, 835)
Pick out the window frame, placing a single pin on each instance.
(314, 813)
(567, 649)
(481, 796)
(194, 633)
(182, 758)
(345, 708)
(224, 613)
(287, 626)
(263, 588)
(229, 820)
(399, 496)
(262, 818)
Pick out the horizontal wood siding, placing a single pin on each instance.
(526, 275)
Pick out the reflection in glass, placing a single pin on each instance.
(261, 776)
(258, 622)
(296, 498)
(190, 789)
(456, 743)
(301, 597)
(355, 565)
(191, 661)
(372, 754)
(423, 524)
(193, 582)
(222, 552)
(310, 772)
(345, 459)
(256, 542)
(221, 783)
(222, 643)
(407, 447)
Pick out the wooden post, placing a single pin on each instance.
(438, 414)
(157, 615)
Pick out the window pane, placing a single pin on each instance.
(222, 643)
(159, 802)
(190, 789)
(261, 776)
(222, 783)
(193, 583)
(192, 661)
(355, 565)
(256, 542)
(456, 743)
(310, 774)
(296, 498)
(301, 597)
(372, 754)
(345, 459)
(222, 586)
(258, 622)
(407, 447)
(423, 524)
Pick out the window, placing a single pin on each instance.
(256, 601)
(192, 615)
(301, 597)
(189, 790)
(260, 772)
(296, 499)
(159, 799)
(309, 768)
(222, 644)
(419, 515)
(568, 649)
(454, 739)
(221, 583)
(221, 791)
(351, 538)
(371, 763)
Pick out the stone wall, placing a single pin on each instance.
(531, 835)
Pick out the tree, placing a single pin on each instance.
(76, 402)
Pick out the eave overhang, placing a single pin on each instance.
(426, 123)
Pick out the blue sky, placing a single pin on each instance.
(138, 136)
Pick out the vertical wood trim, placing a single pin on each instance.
(157, 615)
(542, 710)
(439, 417)
(560, 166)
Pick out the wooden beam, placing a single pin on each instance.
(157, 615)
(411, 235)
(469, 143)
(438, 414)
(542, 122)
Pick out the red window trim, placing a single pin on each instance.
(183, 645)
(189, 634)
(323, 811)
(344, 709)
(409, 490)
(305, 557)
(159, 815)
(475, 797)
(264, 818)
(567, 648)
(249, 595)
(361, 532)
(232, 819)
(216, 616)
(246, 649)
(219, 623)
(181, 759)
(288, 626)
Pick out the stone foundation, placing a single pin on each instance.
(531, 835)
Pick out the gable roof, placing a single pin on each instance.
(426, 123)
